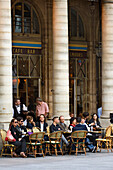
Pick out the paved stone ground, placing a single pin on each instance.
(92, 161)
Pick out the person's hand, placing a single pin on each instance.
(34, 123)
(92, 124)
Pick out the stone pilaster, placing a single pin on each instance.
(107, 61)
(60, 59)
(5, 64)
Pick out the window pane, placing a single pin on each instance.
(35, 24)
(73, 23)
(81, 28)
(18, 17)
(27, 18)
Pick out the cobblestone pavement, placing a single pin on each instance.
(92, 161)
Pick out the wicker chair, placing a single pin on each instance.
(36, 141)
(54, 141)
(107, 140)
(6, 145)
(78, 139)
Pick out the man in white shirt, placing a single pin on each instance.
(18, 108)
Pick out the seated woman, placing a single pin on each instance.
(94, 122)
(20, 142)
(72, 123)
(42, 124)
(30, 122)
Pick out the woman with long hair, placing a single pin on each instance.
(19, 142)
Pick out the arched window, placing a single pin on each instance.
(24, 19)
(77, 27)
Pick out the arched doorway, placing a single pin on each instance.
(78, 64)
(26, 48)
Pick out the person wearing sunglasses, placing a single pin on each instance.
(20, 143)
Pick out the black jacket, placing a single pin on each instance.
(92, 121)
(54, 128)
(16, 114)
(15, 132)
(45, 125)
(79, 127)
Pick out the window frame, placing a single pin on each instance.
(70, 21)
(13, 20)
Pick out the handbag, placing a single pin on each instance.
(9, 137)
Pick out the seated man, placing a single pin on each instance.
(80, 127)
(22, 129)
(21, 125)
(62, 124)
(55, 127)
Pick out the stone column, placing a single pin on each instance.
(60, 59)
(5, 64)
(107, 61)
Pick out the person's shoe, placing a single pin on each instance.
(94, 149)
(23, 155)
(15, 155)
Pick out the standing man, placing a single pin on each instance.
(41, 108)
(18, 108)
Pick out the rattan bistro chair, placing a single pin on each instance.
(107, 140)
(54, 141)
(6, 145)
(35, 142)
(78, 139)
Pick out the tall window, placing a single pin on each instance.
(77, 27)
(24, 19)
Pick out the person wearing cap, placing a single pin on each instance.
(41, 108)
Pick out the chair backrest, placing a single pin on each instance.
(36, 129)
(37, 137)
(79, 134)
(56, 136)
(3, 134)
(48, 130)
(108, 131)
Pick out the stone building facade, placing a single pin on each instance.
(52, 49)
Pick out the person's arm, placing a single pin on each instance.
(14, 133)
(51, 129)
(46, 109)
(37, 113)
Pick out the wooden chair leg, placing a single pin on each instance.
(2, 151)
(110, 145)
(84, 149)
(101, 146)
(55, 150)
(11, 151)
(77, 148)
(35, 151)
(70, 149)
(46, 148)
(107, 146)
(97, 146)
(42, 150)
(60, 149)
(49, 149)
